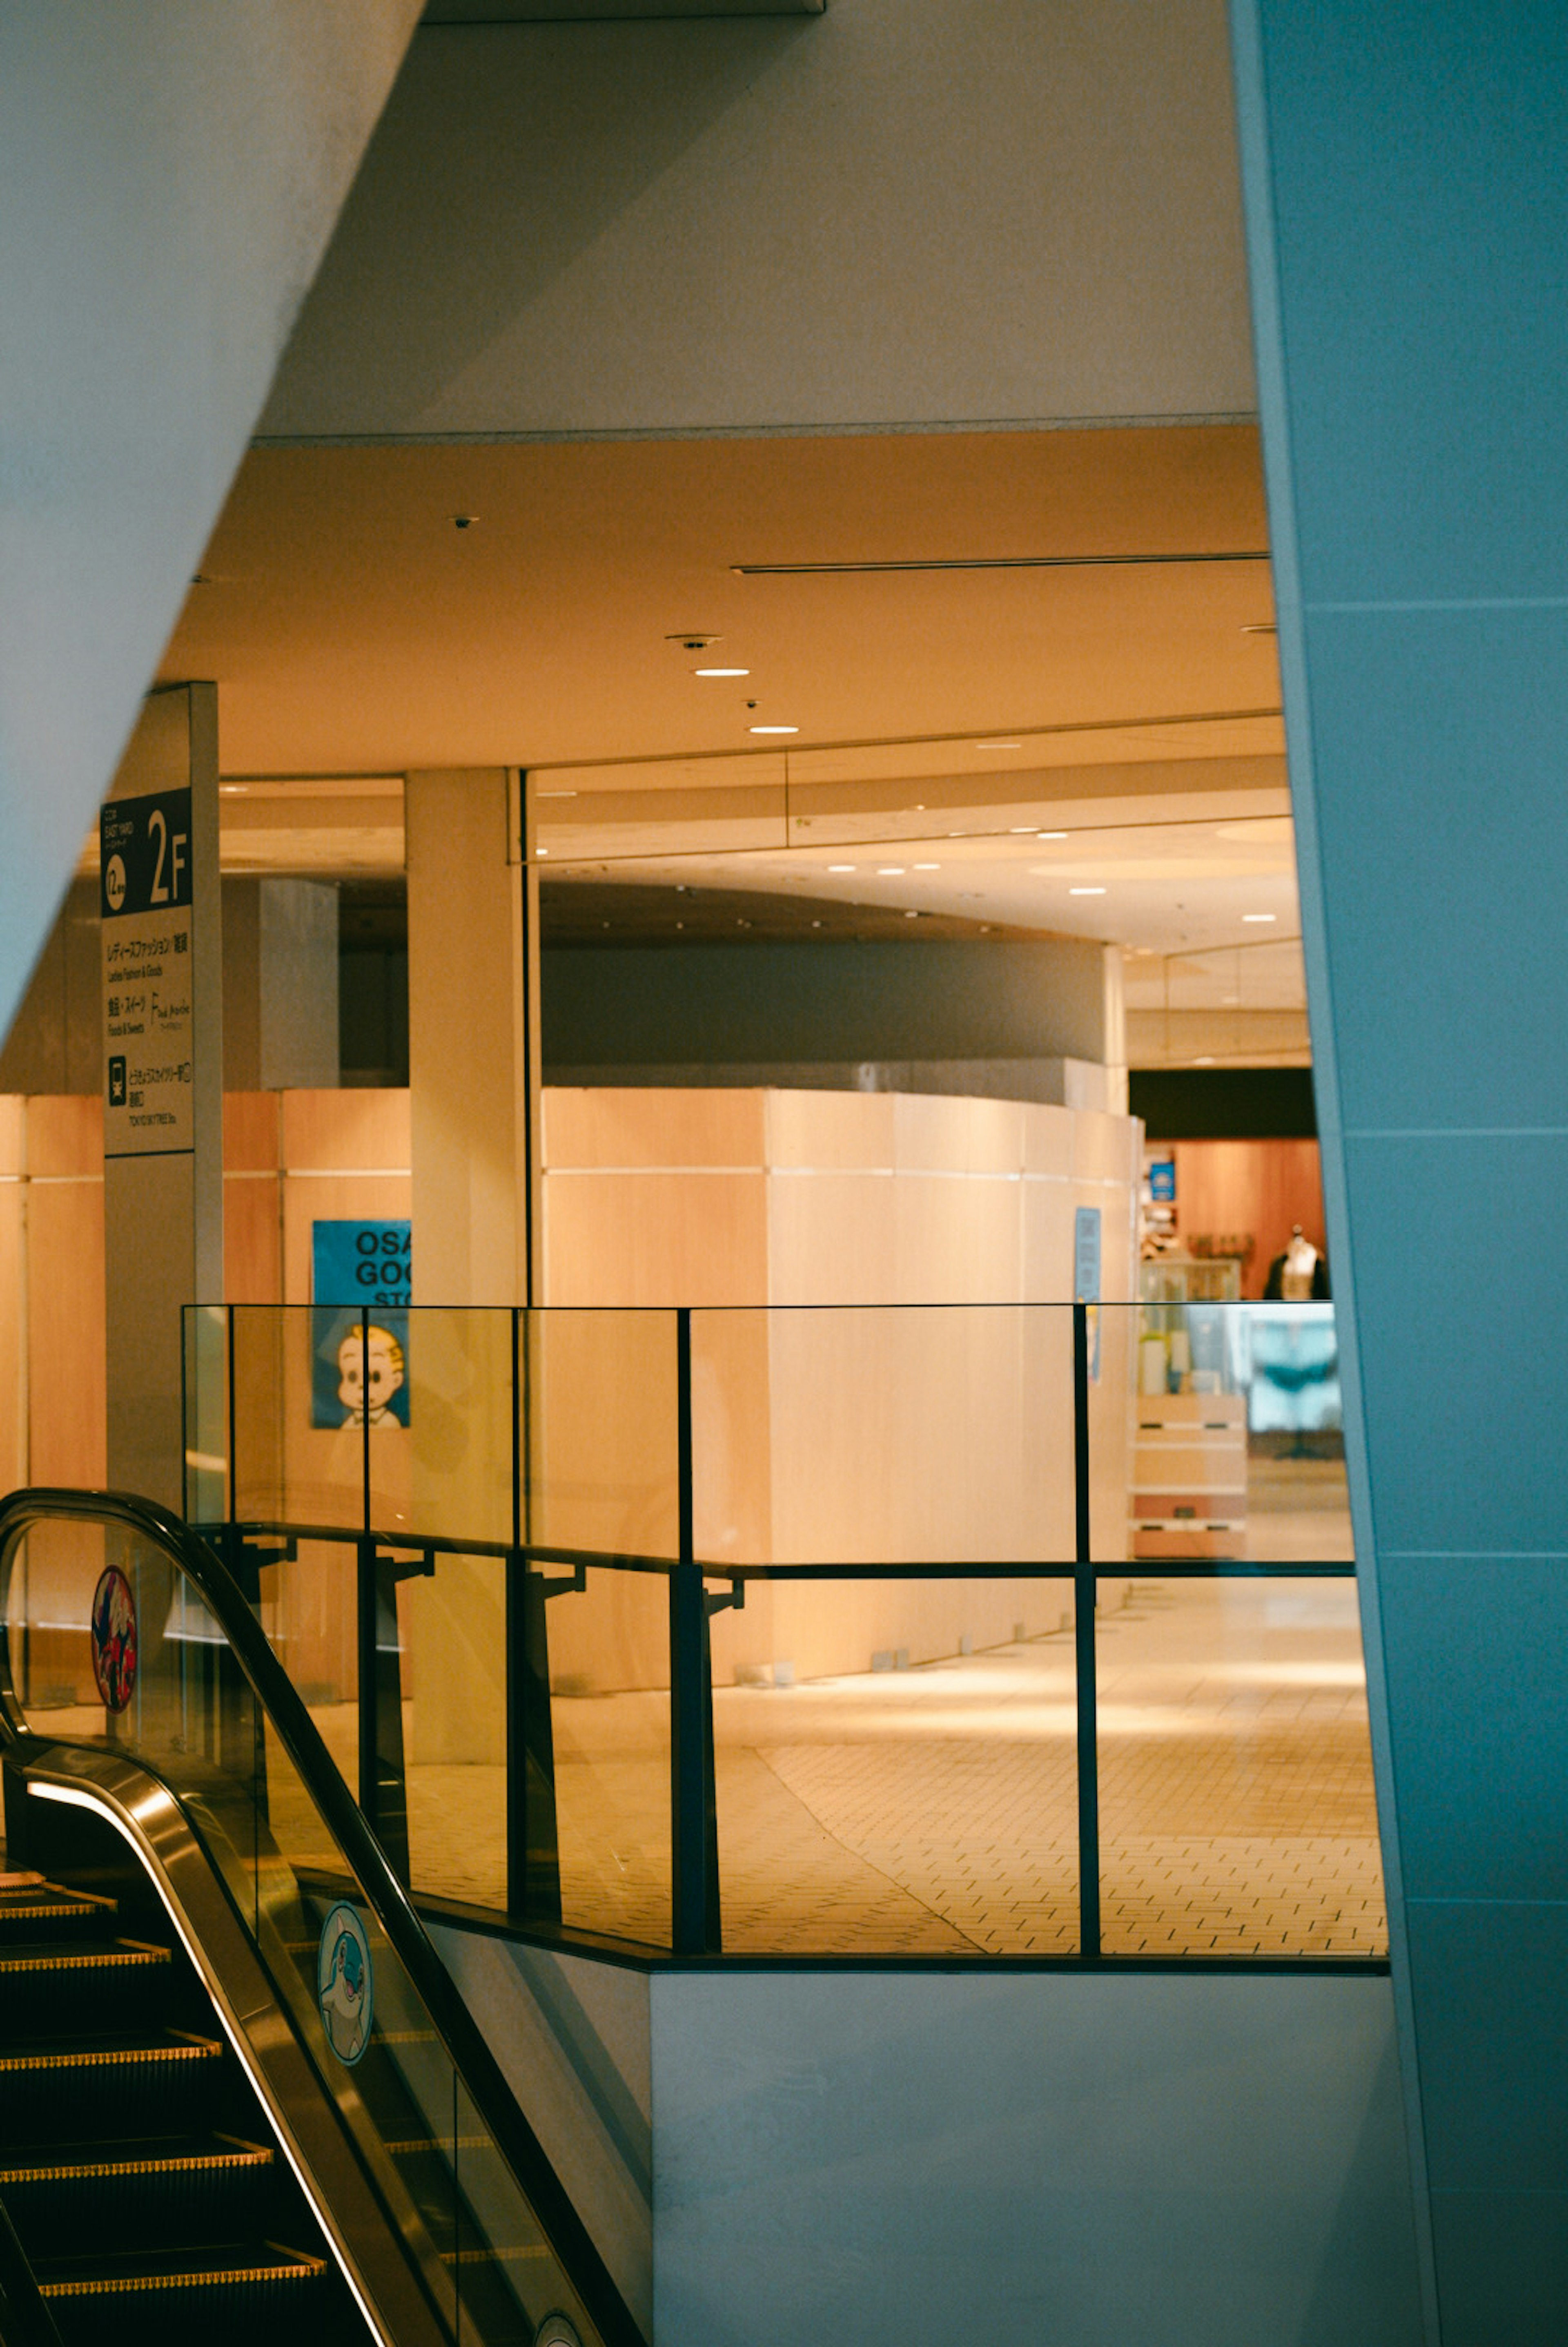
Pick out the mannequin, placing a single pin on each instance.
(1300, 1276)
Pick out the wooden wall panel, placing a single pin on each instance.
(354, 1131)
(66, 1403)
(1223, 1187)
(688, 1236)
(12, 1335)
(910, 1432)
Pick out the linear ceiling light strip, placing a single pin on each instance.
(985, 562)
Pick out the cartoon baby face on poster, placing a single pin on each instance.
(370, 1375)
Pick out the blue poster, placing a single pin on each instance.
(1162, 1181)
(1086, 1277)
(359, 1281)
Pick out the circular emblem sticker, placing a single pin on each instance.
(345, 1988)
(114, 1638)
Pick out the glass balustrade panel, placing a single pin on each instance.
(896, 1767)
(1237, 1807)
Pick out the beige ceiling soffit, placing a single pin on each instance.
(645, 826)
(1000, 750)
(770, 812)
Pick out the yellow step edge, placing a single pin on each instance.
(108, 2285)
(95, 1960)
(83, 2171)
(200, 2050)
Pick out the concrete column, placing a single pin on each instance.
(1408, 222)
(470, 1081)
(474, 1100)
(163, 1049)
(280, 984)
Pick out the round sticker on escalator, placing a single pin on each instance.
(345, 1985)
(113, 1639)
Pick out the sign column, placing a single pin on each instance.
(163, 1075)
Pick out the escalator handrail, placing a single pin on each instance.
(475, 2065)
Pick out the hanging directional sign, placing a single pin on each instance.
(146, 910)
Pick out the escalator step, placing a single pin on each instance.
(48, 1984)
(179, 2293)
(140, 2192)
(77, 1955)
(60, 2087)
(97, 2053)
(28, 1901)
(69, 2163)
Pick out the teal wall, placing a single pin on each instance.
(1406, 207)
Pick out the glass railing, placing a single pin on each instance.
(1001, 1631)
(125, 1635)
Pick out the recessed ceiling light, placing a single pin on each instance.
(890, 871)
(233, 790)
(541, 851)
(1260, 917)
(721, 672)
(999, 746)
(773, 728)
(1022, 831)
(554, 794)
(928, 867)
(1049, 835)
(911, 915)
(842, 867)
(1229, 1001)
(1085, 892)
(1205, 1061)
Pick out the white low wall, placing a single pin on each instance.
(904, 2158)
(1034, 2160)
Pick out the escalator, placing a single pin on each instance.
(238, 2091)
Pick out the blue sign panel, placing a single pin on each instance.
(1162, 1181)
(359, 1283)
(1086, 1277)
(1086, 1255)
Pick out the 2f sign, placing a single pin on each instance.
(173, 859)
(146, 854)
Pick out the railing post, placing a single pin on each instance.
(1083, 1597)
(365, 1629)
(693, 1818)
(532, 1844)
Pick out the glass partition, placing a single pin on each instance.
(895, 1768)
(519, 1583)
(1236, 1809)
(609, 1709)
(872, 1435)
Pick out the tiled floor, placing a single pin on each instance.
(935, 1810)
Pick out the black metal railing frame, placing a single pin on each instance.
(232, 1607)
(533, 1889)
